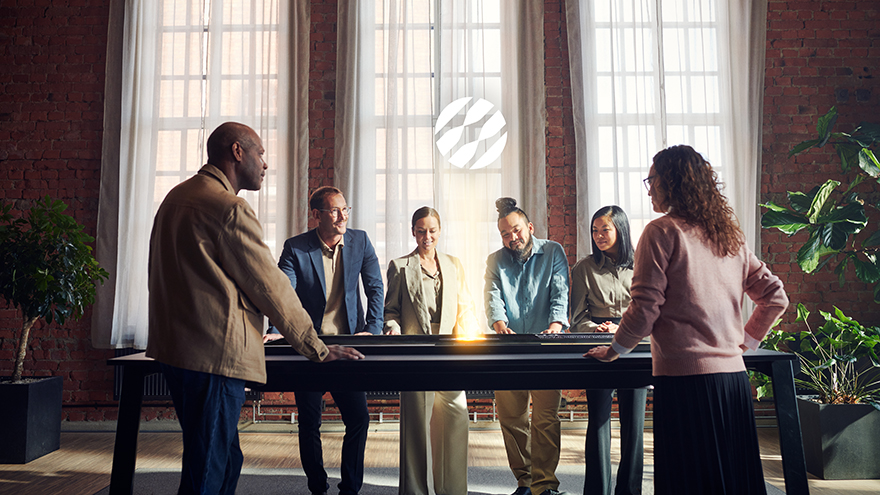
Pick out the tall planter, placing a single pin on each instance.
(30, 415)
(841, 441)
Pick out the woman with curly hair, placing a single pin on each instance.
(692, 268)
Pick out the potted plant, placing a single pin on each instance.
(46, 271)
(839, 359)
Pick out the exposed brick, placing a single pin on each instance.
(50, 143)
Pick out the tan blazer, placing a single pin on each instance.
(405, 307)
(212, 279)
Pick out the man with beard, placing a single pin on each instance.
(325, 266)
(527, 292)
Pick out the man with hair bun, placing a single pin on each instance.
(527, 292)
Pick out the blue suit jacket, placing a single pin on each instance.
(301, 260)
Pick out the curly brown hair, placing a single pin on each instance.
(691, 190)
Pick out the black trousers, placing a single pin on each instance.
(356, 417)
(597, 453)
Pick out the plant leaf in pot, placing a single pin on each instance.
(47, 269)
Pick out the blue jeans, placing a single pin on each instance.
(356, 417)
(208, 408)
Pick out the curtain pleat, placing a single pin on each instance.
(647, 74)
(399, 65)
(175, 71)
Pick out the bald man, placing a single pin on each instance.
(211, 280)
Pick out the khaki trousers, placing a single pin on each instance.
(532, 450)
(433, 443)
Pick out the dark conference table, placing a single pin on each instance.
(497, 362)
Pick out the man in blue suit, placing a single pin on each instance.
(324, 265)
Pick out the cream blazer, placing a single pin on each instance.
(405, 307)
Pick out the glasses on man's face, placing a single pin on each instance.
(648, 181)
(336, 212)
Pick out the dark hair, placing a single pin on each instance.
(506, 206)
(624, 240)
(425, 211)
(691, 190)
(316, 200)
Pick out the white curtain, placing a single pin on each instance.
(400, 64)
(648, 74)
(185, 67)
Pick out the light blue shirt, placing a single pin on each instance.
(530, 296)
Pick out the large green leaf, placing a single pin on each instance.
(833, 235)
(786, 221)
(872, 240)
(800, 202)
(868, 162)
(803, 146)
(812, 251)
(849, 155)
(802, 313)
(852, 213)
(770, 205)
(867, 271)
(818, 204)
(825, 124)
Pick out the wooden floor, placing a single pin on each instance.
(82, 465)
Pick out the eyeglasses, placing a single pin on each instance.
(338, 211)
(648, 181)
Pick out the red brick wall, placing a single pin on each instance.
(322, 92)
(51, 118)
(51, 112)
(819, 54)
(561, 158)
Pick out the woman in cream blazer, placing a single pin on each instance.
(427, 295)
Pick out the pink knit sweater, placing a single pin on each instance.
(689, 301)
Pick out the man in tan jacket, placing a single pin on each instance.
(211, 280)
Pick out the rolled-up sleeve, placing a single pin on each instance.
(559, 288)
(496, 309)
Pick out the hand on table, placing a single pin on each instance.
(269, 337)
(342, 352)
(603, 353)
(555, 330)
(555, 327)
(500, 327)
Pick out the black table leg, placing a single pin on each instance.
(127, 427)
(794, 467)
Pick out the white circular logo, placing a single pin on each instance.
(465, 155)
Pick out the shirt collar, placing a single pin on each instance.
(327, 250)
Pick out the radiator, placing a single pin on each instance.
(155, 387)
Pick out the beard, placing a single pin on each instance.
(521, 254)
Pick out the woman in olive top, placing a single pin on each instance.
(600, 285)
(427, 295)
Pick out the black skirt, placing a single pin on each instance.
(705, 440)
